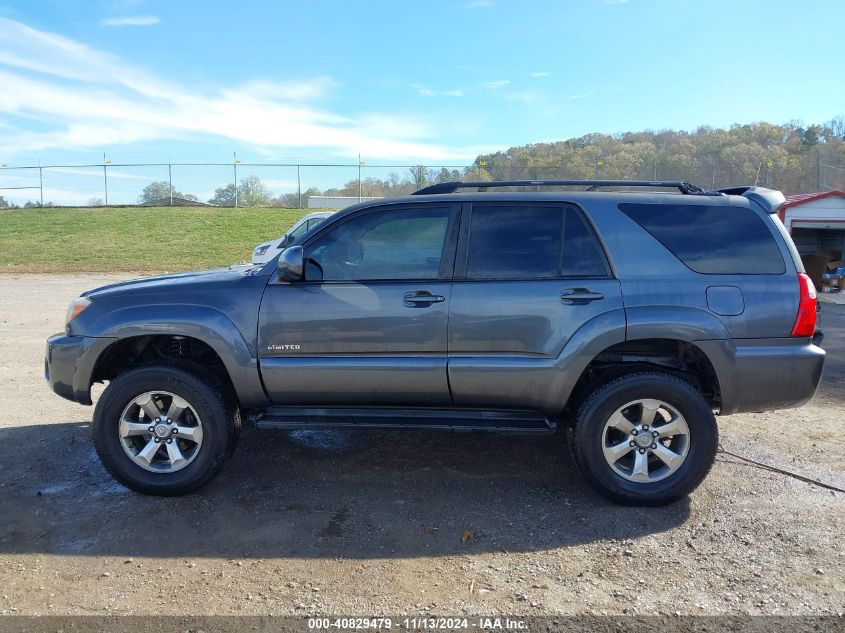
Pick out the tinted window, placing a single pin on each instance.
(582, 255)
(389, 244)
(514, 242)
(300, 230)
(712, 239)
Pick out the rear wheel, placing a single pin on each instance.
(645, 439)
(164, 430)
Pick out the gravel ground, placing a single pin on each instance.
(415, 522)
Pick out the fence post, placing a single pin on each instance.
(235, 166)
(105, 181)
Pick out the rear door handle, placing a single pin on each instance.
(421, 299)
(579, 296)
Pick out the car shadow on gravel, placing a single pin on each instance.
(315, 494)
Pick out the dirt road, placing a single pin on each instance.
(415, 522)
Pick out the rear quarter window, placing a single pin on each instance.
(713, 240)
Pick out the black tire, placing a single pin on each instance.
(587, 438)
(216, 409)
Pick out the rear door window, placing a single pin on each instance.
(715, 240)
(582, 255)
(514, 242)
(531, 242)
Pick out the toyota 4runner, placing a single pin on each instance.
(622, 312)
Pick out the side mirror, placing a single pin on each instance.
(291, 264)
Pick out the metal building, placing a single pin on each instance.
(816, 221)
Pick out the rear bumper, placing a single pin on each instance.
(69, 364)
(765, 374)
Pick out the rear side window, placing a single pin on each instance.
(715, 240)
(528, 242)
(582, 256)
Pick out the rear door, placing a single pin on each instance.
(367, 325)
(527, 277)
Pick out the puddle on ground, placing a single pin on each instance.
(329, 441)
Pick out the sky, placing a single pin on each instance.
(436, 82)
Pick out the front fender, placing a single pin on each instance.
(204, 323)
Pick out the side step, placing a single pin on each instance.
(440, 419)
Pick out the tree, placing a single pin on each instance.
(159, 191)
(95, 202)
(5, 204)
(155, 191)
(251, 193)
(224, 196)
(419, 176)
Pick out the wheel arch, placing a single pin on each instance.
(135, 329)
(673, 356)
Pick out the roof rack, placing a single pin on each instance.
(591, 185)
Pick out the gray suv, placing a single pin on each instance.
(625, 313)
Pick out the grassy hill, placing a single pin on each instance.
(147, 239)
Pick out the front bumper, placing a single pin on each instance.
(69, 364)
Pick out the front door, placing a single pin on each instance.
(527, 277)
(367, 326)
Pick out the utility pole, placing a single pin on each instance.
(235, 167)
(818, 172)
(41, 181)
(359, 177)
(299, 186)
(170, 177)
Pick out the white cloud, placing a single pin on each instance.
(86, 98)
(495, 85)
(539, 73)
(423, 91)
(131, 20)
(479, 4)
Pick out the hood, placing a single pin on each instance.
(173, 280)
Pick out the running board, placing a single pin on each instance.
(440, 419)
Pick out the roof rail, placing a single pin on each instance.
(769, 199)
(592, 185)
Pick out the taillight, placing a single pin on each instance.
(805, 322)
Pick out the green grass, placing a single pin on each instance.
(148, 239)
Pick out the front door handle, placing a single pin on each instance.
(580, 296)
(421, 299)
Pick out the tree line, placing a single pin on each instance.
(791, 157)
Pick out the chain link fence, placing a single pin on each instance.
(294, 184)
(230, 184)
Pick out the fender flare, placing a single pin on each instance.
(203, 323)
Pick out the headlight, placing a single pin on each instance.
(76, 307)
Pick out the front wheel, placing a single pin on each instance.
(164, 430)
(645, 439)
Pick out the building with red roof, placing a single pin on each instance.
(816, 221)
